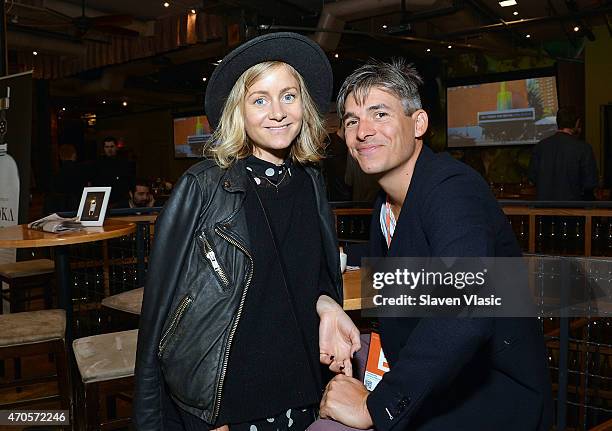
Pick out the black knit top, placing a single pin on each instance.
(274, 360)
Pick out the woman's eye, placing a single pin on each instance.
(260, 101)
(289, 97)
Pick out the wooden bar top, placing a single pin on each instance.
(352, 290)
(21, 237)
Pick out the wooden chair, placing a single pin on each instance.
(106, 366)
(35, 333)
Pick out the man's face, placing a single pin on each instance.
(110, 149)
(379, 135)
(141, 196)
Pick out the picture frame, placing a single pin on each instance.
(92, 208)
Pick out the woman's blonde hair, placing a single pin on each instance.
(230, 141)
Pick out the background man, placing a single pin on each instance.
(114, 171)
(140, 196)
(445, 374)
(562, 166)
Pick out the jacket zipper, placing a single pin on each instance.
(219, 389)
(178, 314)
(212, 258)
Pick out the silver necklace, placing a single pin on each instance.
(279, 181)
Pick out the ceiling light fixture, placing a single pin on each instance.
(384, 25)
(450, 46)
(527, 36)
(204, 79)
(576, 29)
(104, 102)
(124, 103)
(193, 11)
(166, 4)
(515, 13)
(506, 3)
(428, 50)
(63, 109)
(34, 52)
(336, 55)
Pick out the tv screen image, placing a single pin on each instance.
(518, 112)
(190, 135)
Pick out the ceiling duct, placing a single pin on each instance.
(334, 16)
(24, 40)
(145, 28)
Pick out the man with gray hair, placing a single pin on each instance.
(445, 373)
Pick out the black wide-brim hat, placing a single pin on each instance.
(300, 52)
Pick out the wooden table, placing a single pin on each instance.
(352, 290)
(21, 237)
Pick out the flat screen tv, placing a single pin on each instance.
(191, 133)
(508, 110)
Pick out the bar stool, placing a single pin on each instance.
(129, 301)
(36, 333)
(124, 309)
(24, 276)
(106, 365)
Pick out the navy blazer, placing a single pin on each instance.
(457, 374)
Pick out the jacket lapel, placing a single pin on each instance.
(410, 206)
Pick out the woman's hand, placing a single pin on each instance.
(338, 336)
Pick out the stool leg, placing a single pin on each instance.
(92, 407)
(18, 298)
(17, 365)
(48, 295)
(63, 376)
(111, 406)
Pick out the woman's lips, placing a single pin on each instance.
(279, 128)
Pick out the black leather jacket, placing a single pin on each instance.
(198, 278)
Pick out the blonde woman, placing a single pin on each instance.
(242, 298)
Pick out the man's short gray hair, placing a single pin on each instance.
(397, 77)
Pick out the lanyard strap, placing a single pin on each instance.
(387, 222)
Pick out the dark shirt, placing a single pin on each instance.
(117, 173)
(270, 367)
(563, 168)
(66, 188)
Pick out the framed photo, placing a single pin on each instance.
(92, 208)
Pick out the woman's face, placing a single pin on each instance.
(273, 114)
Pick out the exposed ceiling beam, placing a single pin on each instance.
(383, 36)
(526, 22)
(28, 40)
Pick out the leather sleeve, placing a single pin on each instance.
(174, 231)
(331, 282)
(456, 220)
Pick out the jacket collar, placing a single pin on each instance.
(235, 179)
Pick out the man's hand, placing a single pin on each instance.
(338, 336)
(344, 401)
